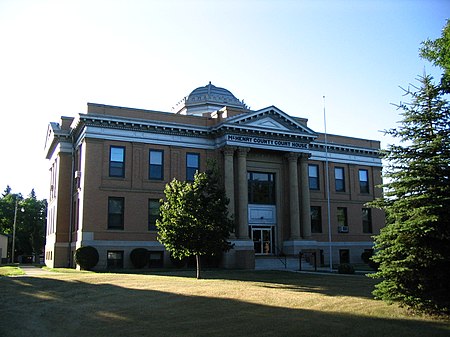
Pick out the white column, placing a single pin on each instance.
(306, 204)
(228, 153)
(293, 196)
(243, 193)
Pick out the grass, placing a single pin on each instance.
(10, 271)
(64, 270)
(224, 303)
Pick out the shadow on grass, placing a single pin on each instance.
(323, 283)
(49, 307)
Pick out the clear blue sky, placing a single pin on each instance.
(58, 55)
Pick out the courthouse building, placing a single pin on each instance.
(109, 167)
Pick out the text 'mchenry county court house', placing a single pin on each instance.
(109, 167)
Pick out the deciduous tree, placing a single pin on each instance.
(194, 218)
(30, 221)
(31, 228)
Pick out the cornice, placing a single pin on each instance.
(242, 129)
(145, 126)
(217, 131)
(342, 148)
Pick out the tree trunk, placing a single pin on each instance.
(197, 258)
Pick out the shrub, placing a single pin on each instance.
(139, 257)
(178, 263)
(86, 257)
(346, 268)
(367, 258)
(207, 261)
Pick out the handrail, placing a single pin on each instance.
(279, 256)
(302, 255)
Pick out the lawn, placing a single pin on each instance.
(224, 303)
(10, 271)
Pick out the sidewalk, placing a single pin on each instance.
(31, 270)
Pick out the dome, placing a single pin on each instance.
(208, 99)
(213, 94)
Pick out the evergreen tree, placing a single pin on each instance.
(438, 52)
(194, 218)
(413, 250)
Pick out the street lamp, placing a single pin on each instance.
(14, 230)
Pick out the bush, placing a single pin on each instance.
(346, 268)
(86, 257)
(178, 263)
(207, 261)
(367, 258)
(139, 257)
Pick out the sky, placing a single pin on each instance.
(56, 56)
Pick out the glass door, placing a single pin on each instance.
(262, 240)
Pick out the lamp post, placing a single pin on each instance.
(14, 230)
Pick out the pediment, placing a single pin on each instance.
(268, 123)
(270, 119)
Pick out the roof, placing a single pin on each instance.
(208, 99)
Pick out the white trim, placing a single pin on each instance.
(148, 138)
(346, 244)
(346, 158)
(262, 214)
(242, 244)
(309, 243)
(267, 111)
(259, 130)
(123, 121)
(267, 143)
(268, 123)
(114, 243)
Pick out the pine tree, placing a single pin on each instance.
(194, 218)
(438, 53)
(414, 248)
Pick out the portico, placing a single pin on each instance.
(267, 227)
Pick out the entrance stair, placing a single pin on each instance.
(281, 263)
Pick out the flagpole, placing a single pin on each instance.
(327, 186)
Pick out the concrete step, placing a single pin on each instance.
(275, 263)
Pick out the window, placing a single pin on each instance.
(156, 167)
(117, 161)
(261, 188)
(363, 181)
(155, 259)
(339, 179)
(114, 259)
(367, 220)
(77, 164)
(75, 213)
(344, 256)
(342, 216)
(192, 165)
(313, 174)
(153, 213)
(316, 219)
(115, 212)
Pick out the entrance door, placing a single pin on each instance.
(262, 240)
